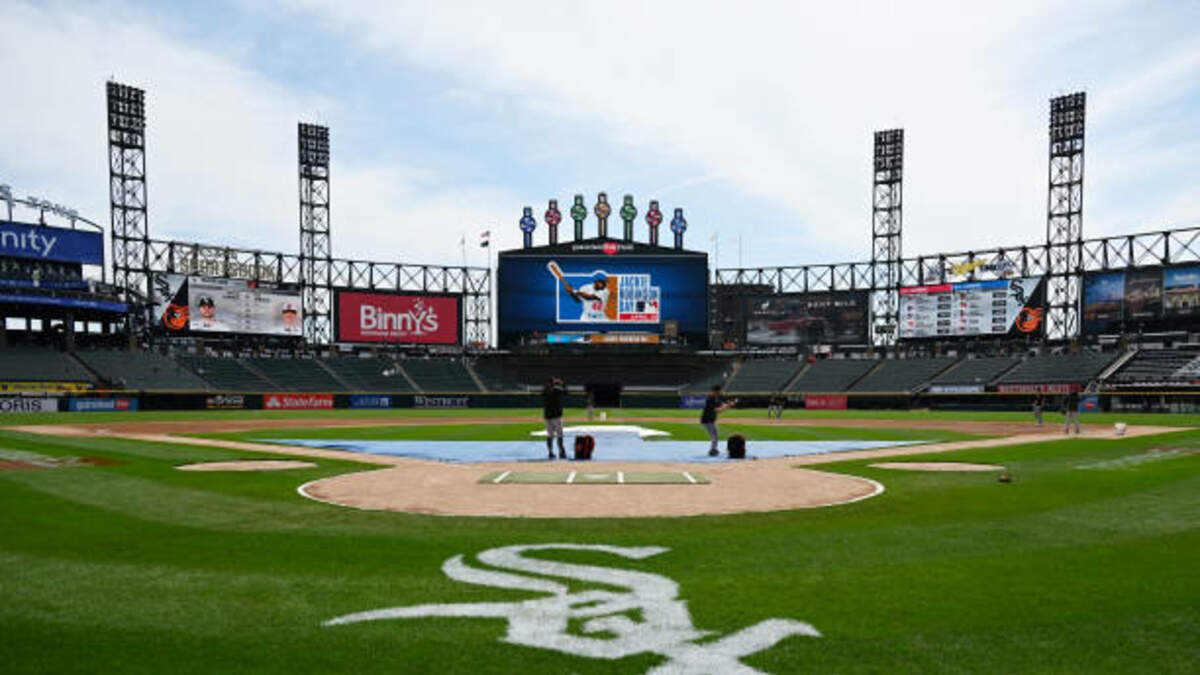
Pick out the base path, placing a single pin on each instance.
(423, 486)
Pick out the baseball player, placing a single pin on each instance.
(708, 419)
(552, 411)
(594, 300)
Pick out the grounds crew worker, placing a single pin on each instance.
(552, 411)
(708, 418)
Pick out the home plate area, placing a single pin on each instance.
(594, 478)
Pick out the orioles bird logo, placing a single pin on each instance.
(176, 317)
(1029, 319)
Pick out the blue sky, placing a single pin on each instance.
(447, 118)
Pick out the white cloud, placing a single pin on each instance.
(221, 142)
(780, 99)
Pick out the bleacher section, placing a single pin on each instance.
(1160, 365)
(226, 374)
(141, 370)
(439, 375)
(297, 374)
(35, 364)
(491, 373)
(763, 375)
(660, 373)
(901, 375)
(831, 375)
(369, 374)
(1058, 368)
(977, 371)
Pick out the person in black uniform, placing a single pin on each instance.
(708, 418)
(1071, 412)
(553, 394)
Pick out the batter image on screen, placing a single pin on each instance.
(606, 298)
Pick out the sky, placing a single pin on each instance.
(446, 118)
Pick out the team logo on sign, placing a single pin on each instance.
(1029, 319)
(646, 617)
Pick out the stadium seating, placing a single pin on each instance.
(763, 375)
(369, 374)
(227, 374)
(901, 375)
(492, 373)
(1058, 368)
(831, 375)
(981, 371)
(299, 374)
(36, 364)
(1160, 365)
(659, 373)
(141, 370)
(439, 375)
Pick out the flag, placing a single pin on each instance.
(485, 238)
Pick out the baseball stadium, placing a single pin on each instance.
(602, 455)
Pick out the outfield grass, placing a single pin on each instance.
(138, 567)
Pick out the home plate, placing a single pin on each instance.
(594, 478)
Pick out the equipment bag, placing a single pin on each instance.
(584, 446)
(736, 446)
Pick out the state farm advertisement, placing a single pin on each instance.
(297, 401)
(398, 317)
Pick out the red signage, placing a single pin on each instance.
(398, 317)
(825, 401)
(297, 401)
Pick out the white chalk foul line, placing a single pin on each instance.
(501, 477)
(571, 478)
(689, 477)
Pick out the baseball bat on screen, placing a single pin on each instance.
(558, 273)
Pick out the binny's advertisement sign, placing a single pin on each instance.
(398, 318)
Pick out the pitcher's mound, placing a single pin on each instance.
(937, 466)
(250, 465)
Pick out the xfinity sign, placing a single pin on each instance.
(404, 318)
(39, 242)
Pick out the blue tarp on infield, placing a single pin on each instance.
(609, 448)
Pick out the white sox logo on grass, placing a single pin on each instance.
(665, 626)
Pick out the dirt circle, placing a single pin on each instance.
(937, 466)
(418, 486)
(248, 465)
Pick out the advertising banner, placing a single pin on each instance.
(398, 318)
(1147, 300)
(205, 305)
(692, 401)
(370, 401)
(14, 387)
(441, 402)
(619, 292)
(27, 404)
(837, 317)
(297, 401)
(825, 401)
(955, 388)
(73, 303)
(60, 244)
(1089, 403)
(103, 404)
(974, 308)
(1055, 388)
(225, 402)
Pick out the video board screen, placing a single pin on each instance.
(403, 318)
(624, 289)
(207, 305)
(1149, 300)
(974, 308)
(835, 317)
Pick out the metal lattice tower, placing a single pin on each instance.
(886, 228)
(127, 190)
(1064, 219)
(316, 253)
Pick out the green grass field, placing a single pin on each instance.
(1086, 563)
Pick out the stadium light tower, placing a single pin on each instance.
(316, 252)
(127, 189)
(1064, 213)
(886, 227)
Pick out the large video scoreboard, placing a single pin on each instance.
(602, 291)
(973, 308)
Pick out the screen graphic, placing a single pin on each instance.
(205, 305)
(1148, 300)
(974, 308)
(807, 318)
(405, 318)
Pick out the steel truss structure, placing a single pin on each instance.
(887, 221)
(127, 190)
(1064, 213)
(1148, 249)
(136, 257)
